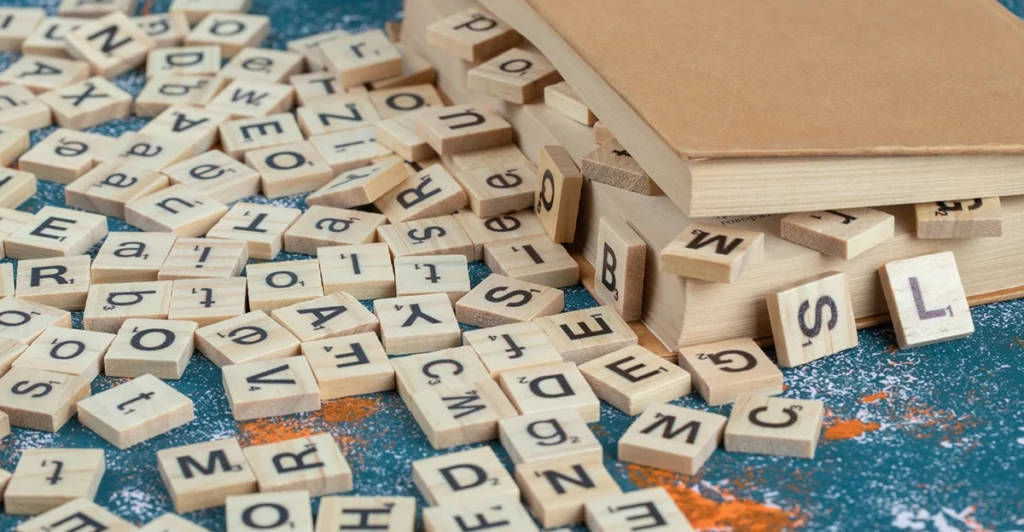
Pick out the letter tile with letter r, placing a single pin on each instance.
(386, 514)
(811, 319)
(926, 300)
(584, 335)
(128, 257)
(63, 156)
(231, 31)
(312, 463)
(41, 74)
(364, 271)
(330, 316)
(87, 103)
(361, 58)
(249, 337)
(512, 346)
(245, 134)
(549, 388)
(204, 475)
(133, 412)
(633, 379)
(323, 226)
(350, 365)
(267, 388)
(24, 320)
(472, 35)
(620, 267)
(204, 258)
(274, 285)
(177, 209)
(56, 232)
(672, 438)
(207, 301)
(162, 348)
(262, 227)
(282, 511)
(534, 259)
(417, 324)
(650, 509)
(289, 168)
(485, 513)
(556, 491)
(500, 300)
(61, 282)
(723, 371)
(109, 186)
(217, 175)
(109, 305)
(712, 252)
(112, 45)
(361, 185)
(548, 436)
(774, 426)
(39, 399)
(78, 514)
(71, 351)
(430, 192)
(47, 478)
(441, 235)
(463, 476)
(516, 75)
(462, 128)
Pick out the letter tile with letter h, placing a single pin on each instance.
(386, 514)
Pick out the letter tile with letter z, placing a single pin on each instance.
(557, 491)
(493, 513)
(282, 511)
(268, 388)
(386, 514)
(462, 476)
(723, 371)
(774, 426)
(620, 267)
(204, 475)
(550, 388)
(313, 463)
(672, 438)
(633, 379)
(812, 319)
(133, 412)
(548, 436)
(162, 348)
(109, 305)
(712, 252)
(350, 365)
(926, 300)
(249, 337)
(78, 514)
(557, 199)
(650, 509)
(48, 478)
(584, 335)
(417, 324)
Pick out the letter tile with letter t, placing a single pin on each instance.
(462, 128)
(282, 510)
(712, 252)
(131, 257)
(620, 267)
(204, 258)
(847, 233)
(176, 209)
(926, 300)
(267, 388)
(39, 399)
(133, 412)
(812, 319)
(61, 282)
(109, 305)
(611, 163)
(274, 285)
(204, 475)
(472, 35)
(386, 514)
(350, 365)
(338, 314)
(207, 301)
(262, 227)
(975, 218)
(584, 335)
(463, 476)
(557, 491)
(549, 388)
(774, 426)
(162, 348)
(491, 513)
(249, 337)
(633, 379)
(548, 436)
(364, 271)
(723, 371)
(430, 192)
(512, 346)
(500, 300)
(47, 478)
(24, 321)
(78, 514)
(56, 232)
(313, 463)
(417, 324)
(650, 509)
(672, 438)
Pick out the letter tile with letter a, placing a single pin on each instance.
(357, 59)
(432, 274)
(812, 319)
(557, 491)
(672, 438)
(499, 189)
(283, 511)
(610, 163)
(16, 187)
(350, 365)
(162, 348)
(512, 346)
(262, 64)
(60, 282)
(40, 400)
(338, 314)
(47, 478)
(463, 476)
(78, 514)
(548, 388)
(385, 514)
(491, 513)
(974, 218)
(109, 305)
(774, 426)
(363, 271)
(267, 388)
(71, 351)
(926, 300)
(204, 258)
(275, 285)
(177, 209)
(846, 234)
(340, 113)
(502, 227)
(323, 226)
(313, 463)
(417, 324)
(620, 268)
(534, 259)
(164, 92)
(290, 168)
(172, 523)
(723, 371)
(133, 412)
(262, 227)
(204, 475)
(712, 252)
(217, 175)
(24, 321)
(472, 35)
(41, 74)
(430, 192)
(360, 186)
(242, 135)
(650, 509)
(112, 45)
(147, 151)
(462, 128)
(56, 232)
(188, 125)
(87, 103)
(352, 148)
(633, 378)
(500, 300)
(207, 301)
(557, 198)
(584, 335)
(517, 76)
(131, 257)
(431, 236)
(548, 436)
(108, 187)
(252, 336)
(63, 156)
(231, 31)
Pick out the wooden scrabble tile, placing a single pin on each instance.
(56, 232)
(462, 128)
(149, 151)
(60, 282)
(315, 87)
(309, 47)
(131, 257)
(39, 400)
(441, 235)
(712, 252)
(804, 335)
(562, 99)
(207, 301)
(186, 124)
(287, 510)
(262, 227)
(350, 149)
(24, 321)
(557, 197)
(217, 175)
(462, 476)
(926, 300)
(620, 267)
(610, 163)
(252, 99)
(509, 154)
(722, 371)
(437, 370)
(550, 387)
(268, 388)
(79, 513)
(398, 133)
(5, 430)
(162, 348)
(94, 9)
(166, 29)
(500, 300)
(11, 220)
(328, 226)
(171, 523)
(357, 59)
(18, 23)
(108, 187)
(111, 45)
(557, 491)
(6, 279)
(231, 31)
(338, 314)
(87, 103)
(47, 478)
(274, 285)
(386, 514)
(430, 192)
(109, 305)
(313, 463)
(400, 100)
(601, 133)
(360, 186)
(48, 38)
(417, 324)
(196, 10)
(204, 475)
(774, 426)
(16, 187)
(339, 113)
(177, 209)
(492, 513)
(204, 258)
(633, 379)
(363, 271)
(975, 218)
(19, 107)
(516, 75)
(501, 227)
(512, 346)
(648, 509)
(63, 156)
(183, 61)
(472, 35)
(350, 365)
(163, 91)
(289, 168)
(845, 234)
(133, 412)
(71, 351)
(262, 64)
(495, 190)
(40, 74)
(415, 71)
(548, 436)
(13, 142)
(672, 438)
(432, 274)
(250, 337)
(584, 335)
(534, 259)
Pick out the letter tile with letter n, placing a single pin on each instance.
(472, 35)
(360, 186)
(24, 321)
(417, 324)
(462, 128)
(16, 187)
(262, 64)
(131, 257)
(926, 300)
(313, 463)
(774, 426)
(974, 218)
(357, 59)
(363, 271)
(846, 234)
(279, 511)
(672, 438)
(109, 305)
(204, 475)
(183, 61)
(650, 509)
(557, 197)
(71, 351)
(61, 282)
(352, 148)
(87, 103)
(39, 399)
(350, 365)
(47, 478)
(56, 232)
(189, 125)
(632, 379)
(252, 99)
(500, 300)
(108, 187)
(712, 252)
(204, 258)
(610, 163)
(21, 108)
(517, 76)
(620, 267)
(41, 74)
(441, 235)
(551, 387)
(548, 436)
(584, 335)
(231, 31)
(723, 371)
(261, 227)
(78, 514)
(386, 514)
(267, 388)
(462, 476)
(512, 346)
(338, 314)
(289, 168)
(252, 336)
(177, 209)
(432, 274)
(171, 523)
(11, 220)
(502, 227)
(812, 319)
(217, 175)
(323, 226)
(133, 412)
(166, 92)
(340, 113)
(499, 189)
(557, 491)
(275, 285)
(430, 192)
(491, 513)
(240, 136)
(162, 348)
(19, 24)
(207, 301)
(111, 45)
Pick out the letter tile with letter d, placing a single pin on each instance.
(812, 319)
(313, 463)
(462, 476)
(204, 475)
(549, 388)
(774, 426)
(926, 300)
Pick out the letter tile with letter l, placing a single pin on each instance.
(249, 337)
(548, 436)
(56, 232)
(133, 412)
(557, 491)
(109, 305)
(432, 274)
(47, 478)
(217, 175)
(39, 399)
(267, 388)
(774, 426)
(313, 463)
(242, 135)
(176, 209)
(417, 324)
(71, 351)
(550, 388)
(512, 346)
(111, 45)
(262, 227)
(207, 301)
(131, 257)
(283, 511)
(204, 475)
(386, 514)
(491, 513)
(712, 252)
(672, 438)
(87, 103)
(231, 31)
(926, 300)
(651, 509)
(364, 271)
(534, 259)
(472, 35)
(78, 514)
(430, 192)
(323, 226)
(462, 128)
(350, 365)
(274, 285)
(723, 371)
(361, 185)
(633, 379)
(338, 314)
(60, 282)
(620, 268)
(431, 236)
(204, 258)
(812, 319)
(517, 76)
(846, 234)
(290, 168)
(462, 476)
(584, 335)
(500, 300)
(974, 218)
(162, 348)
(24, 321)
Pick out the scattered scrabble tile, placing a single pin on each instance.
(250, 337)
(563, 99)
(517, 76)
(672, 438)
(171, 523)
(16, 187)
(166, 29)
(108, 187)
(315, 87)
(462, 476)
(430, 192)
(279, 284)
(49, 37)
(415, 71)
(722, 371)
(111, 45)
(39, 400)
(18, 24)
(648, 509)
(462, 128)
(41, 74)
(183, 61)
(60, 282)
(472, 35)
(774, 426)
(19, 107)
(926, 300)
(207, 301)
(289, 168)
(712, 252)
(550, 387)
(338, 314)
(548, 436)
(252, 99)
(513, 346)
(309, 47)
(287, 510)
(109, 305)
(557, 195)
(557, 491)
(204, 475)
(56, 232)
(133, 412)
(975, 218)
(79, 513)
(438, 370)
(196, 10)
(350, 365)
(186, 124)
(357, 59)
(601, 133)
(812, 319)
(584, 335)
(497, 513)
(431, 236)
(262, 64)
(93, 8)
(501, 227)
(349, 149)
(363, 271)
(87, 103)
(313, 463)
(142, 150)
(846, 234)
(399, 134)
(633, 379)
(417, 324)
(610, 163)
(432, 274)
(163, 91)
(262, 227)
(217, 175)
(177, 209)
(495, 190)
(533, 259)
(131, 257)
(23, 320)
(267, 388)
(387, 514)
(162, 348)
(323, 226)
(6, 279)
(13, 142)
(500, 300)
(400, 100)
(340, 113)
(71, 351)
(231, 31)
(48, 478)
(204, 258)
(620, 267)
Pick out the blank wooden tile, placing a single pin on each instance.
(244, 98)
(430, 192)
(183, 61)
(557, 491)
(974, 218)
(557, 198)
(79, 513)
(498, 228)
(11, 220)
(204, 258)
(112, 45)
(131, 257)
(672, 438)
(432, 274)
(109, 305)
(462, 128)
(142, 150)
(166, 29)
(162, 348)
(846, 234)
(171, 523)
(176, 209)
(60, 282)
(633, 379)
(48, 478)
(712, 252)
(584, 335)
(186, 124)
(276, 285)
(56, 232)
(40, 73)
(339, 113)
(350, 365)
(495, 190)
(231, 31)
(323, 226)
(492, 513)
(19, 107)
(400, 100)
(516, 75)
(315, 86)
(649, 509)
(774, 426)
(357, 59)
(350, 149)
(207, 301)
(812, 319)
(18, 25)
(441, 235)
(6, 279)
(13, 142)
(70, 351)
(561, 98)
(463, 476)
(417, 324)
(250, 337)
(363, 271)
(500, 300)
(398, 134)
(338, 314)
(262, 227)
(472, 35)
(289, 168)
(197, 10)
(549, 388)
(313, 463)
(620, 267)
(722, 371)
(513, 346)
(533, 259)
(24, 320)
(217, 175)
(163, 91)
(548, 436)
(267, 388)
(108, 187)
(281, 511)
(47, 408)
(48, 38)
(926, 300)
(610, 163)
(94, 9)
(204, 475)
(17, 187)
(386, 514)
(262, 64)
(133, 412)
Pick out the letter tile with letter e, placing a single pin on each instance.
(21, 108)
(350, 365)
(164, 92)
(108, 187)
(60, 282)
(491, 513)
(187, 125)
(502, 227)
(499, 189)
(340, 113)
(472, 35)
(246, 134)
(557, 198)
(275, 285)
(338, 314)
(774, 426)
(183, 61)
(349, 149)
(462, 128)
(548, 436)
(926, 300)
(217, 175)
(620, 267)
(279, 511)
(562, 99)
(357, 59)
(47, 478)
(133, 412)
(534, 259)
(39, 399)
(548, 388)
(363, 271)
(10, 350)
(71, 351)
(463, 476)
(231, 31)
(24, 321)
(204, 258)
(262, 227)
(249, 337)
(41, 74)
(262, 64)
(63, 156)
(632, 379)
(313, 463)
(56, 232)
(812, 319)
(432, 274)
(10, 221)
(417, 324)
(974, 218)
(16, 187)
(87, 103)
(111, 45)
(610, 163)
(79, 514)
(650, 509)
(398, 134)
(109, 305)
(162, 348)
(500, 300)
(430, 192)
(512, 346)
(846, 233)
(584, 335)
(207, 301)
(176, 209)
(323, 226)
(204, 475)
(289, 168)
(723, 371)
(431, 236)
(196, 10)
(516, 76)
(712, 252)
(267, 388)
(131, 257)
(557, 491)
(171, 523)
(386, 514)
(360, 186)
(397, 101)
(672, 438)
(19, 25)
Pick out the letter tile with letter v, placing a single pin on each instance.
(512, 346)
(338, 314)
(313, 463)
(534, 259)
(516, 76)
(39, 399)
(71, 351)
(48, 478)
(131, 257)
(723, 371)
(323, 226)
(87, 103)
(417, 324)
(262, 227)
(584, 335)
(620, 267)
(548, 436)
(462, 476)
(364, 271)
(231, 31)
(774, 426)
(926, 300)
(176, 209)
(61, 282)
(549, 388)
(252, 336)
(207, 301)
(652, 509)
(500, 300)
(274, 285)
(431, 236)
(204, 475)
(430, 192)
(56, 232)
(283, 511)
(672, 438)
(386, 514)
(811, 319)
(350, 365)
(633, 379)
(493, 513)
(267, 388)
(472, 35)
(462, 128)
(712, 252)
(111, 45)
(557, 491)
(133, 412)
(204, 258)
(109, 305)
(78, 514)
(162, 348)
(24, 321)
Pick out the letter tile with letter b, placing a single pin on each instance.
(109, 305)
(323, 226)
(548, 436)
(812, 319)
(71, 351)
(275, 285)
(217, 175)
(47, 478)
(249, 337)
(846, 234)
(78, 514)
(491, 513)
(363, 271)
(283, 511)
(61, 282)
(974, 218)
(432, 236)
(176, 209)
(204, 475)
(87, 103)
(462, 476)
(165, 92)
(517, 76)
(350, 365)
(290, 168)
(386, 514)
(723, 371)
(338, 314)
(774, 426)
(462, 128)
(357, 59)
(557, 198)
(204, 258)
(557, 491)
(430, 192)
(926, 300)
(267, 388)
(472, 35)
(500, 300)
(584, 335)
(361, 185)
(131, 257)
(502, 227)
(56, 232)
(417, 324)
(207, 301)
(633, 379)
(24, 321)
(262, 227)
(650, 509)
(512, 346)
(432, 274)
(231, 31)
(112, 45)
(133, 412)
(672, 438)
(620, 267)
(712, 252)
(534, 259)
(108, 187)
(313, 463)
(162, 348)
(549, 388)
(40, 400)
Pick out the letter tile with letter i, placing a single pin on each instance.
(204, 258)
(549, 388)
(494, 513)
(633, 379)
(276, 511)
(926, 300)
(417, 324)
(463, 476)
(652, 509)
(723, 371)
(811, 319)
(204, 475)
(313, 463)
(386, 514)
(557, 491)
(548, 436)
(534, 259)
(133, 412)
(78, 514)
(584, 335)
(774, 426)
(712, 252)
(672, 438)
(109, 305)
(48, 478)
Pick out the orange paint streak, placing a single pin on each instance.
(349, 409)
(875, 397)
(147, 8)
(327, 419)
(849, 428)
(270, 430)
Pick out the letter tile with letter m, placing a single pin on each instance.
(774, 426)
(712, 252)
(672, 438)
(584, 335)
(203, 475)
(650, 509)
(313, 463)
(462, 476)
(109, 305)
(557, 491)
(926, 300)
(811, 319)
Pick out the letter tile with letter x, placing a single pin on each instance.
(249, 337)
(672, 438)
(587, 334)
(557, 491)
(926, 300)
(494, 513)
(650, 509)
(47, 478)
(387, 514)
(267, 388)
(87, 103)
(204, 475)
(313, 463)
(811, 319)
(77, 514)
(633, 379)
(281, 510)
(712, 252)
(723, 371)
(549, 388)
(109, 305)
(548, 436)
(462, 476)
(774, 426)
(135, 411)
(417, 324)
